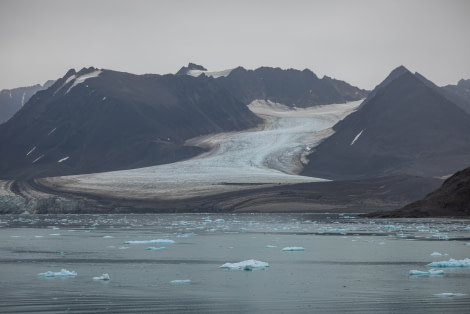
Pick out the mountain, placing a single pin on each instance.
(405, 126)
(11, 100)
(451, 199)
(101, 120)
(290, 87)
(459, 94)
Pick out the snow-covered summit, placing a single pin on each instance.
(196, 70)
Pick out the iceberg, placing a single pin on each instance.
(62, 273)
(104, 277)
(451, 263)
(293, 248)
(157, 241)
(431, 272)
(180, 281)
(449, 294)
(436, 254)
(152, 248)
(248, 265)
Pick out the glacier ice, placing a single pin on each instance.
(293, 248)
(62, 273)
(156, 241)
(104, 277)
(431, 272)
(248, 265)
(451, 263)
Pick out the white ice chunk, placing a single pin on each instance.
(62, 273)
(180, 281)
(357, 136)
(269, 246)
(63, 159)
(104, 277)
(431, 272)
(108, 237)
(157, 241)
(449, 294)
(451, 263)
(436, 254)
(186, 235)
(152, 248)
(250, 264)
(220, 220)
(293, 248)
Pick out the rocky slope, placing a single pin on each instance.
(405, 126)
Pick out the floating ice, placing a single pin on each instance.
(431, 272)
(62, 273)
(108, 237)
(293, 248)
(270, 246)
(220, 220)
(436, 254)
(180, 281)
(157, 241)
(186, 235)
(152, 248)
(248, 265)
(104, 277)
(449, 294)
(451, 263)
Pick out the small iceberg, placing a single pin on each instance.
(431, 272)
(270, 246)
(451, 263)
(157, 241)
(436, 254)
(293, 248)
(449, 294)
(152, 248)
(180, 281)
(62, 273)
(247, 265)
(104, 277)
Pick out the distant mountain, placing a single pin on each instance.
(11, 100)
(289, 87)
(451, 199)
(459, 94)
(405, 126)
(101, 120)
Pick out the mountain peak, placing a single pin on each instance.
(191, 66)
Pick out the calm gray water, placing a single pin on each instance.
(349, 264)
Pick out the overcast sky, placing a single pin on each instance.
(359, 41)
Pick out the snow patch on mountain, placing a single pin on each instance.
(214, 74)
(83, 78)
(357, 136)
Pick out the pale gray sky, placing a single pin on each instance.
(359, 41)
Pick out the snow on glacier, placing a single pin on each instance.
(62, 273)
(451, 263)
(248, 265)
(269, 155)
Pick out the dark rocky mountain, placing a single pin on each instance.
(191, 66)
(11, 100)
(101, 120)
(289, 87)
(459, 94)
(451, 199)
(405, 126)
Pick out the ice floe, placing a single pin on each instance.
(248, 265)
(451, 263)
(152, 248)
(437, 254)
(293, 248)
(156, 241)
(431, 272)
(180, 281)
(62, 273)
(449, 294)
(104, 277)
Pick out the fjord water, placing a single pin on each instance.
(348, 264)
